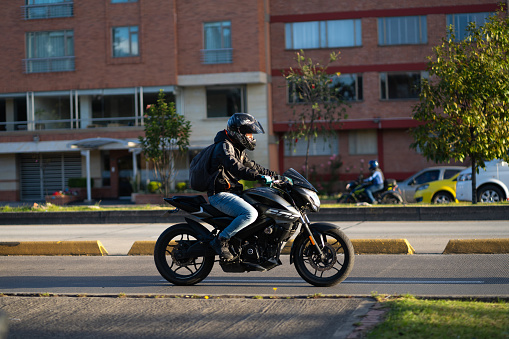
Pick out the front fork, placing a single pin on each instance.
(305, 223)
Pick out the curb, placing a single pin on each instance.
(361, 246)
(477, 246)
(91, 247)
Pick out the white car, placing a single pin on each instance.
(409, 185)
(492, 183)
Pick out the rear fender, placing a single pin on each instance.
(200, 247)
(318, 227)
(202, 231)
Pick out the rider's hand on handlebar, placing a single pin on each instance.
(264, 179)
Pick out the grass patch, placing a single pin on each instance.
(48, 207)
(410, 317)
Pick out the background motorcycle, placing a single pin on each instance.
(356, 193)
(323, 255)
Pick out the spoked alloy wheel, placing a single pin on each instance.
(171, 260)
(334, 268)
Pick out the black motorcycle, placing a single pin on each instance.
(322, 253)
(356, 193)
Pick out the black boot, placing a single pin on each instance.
(220, 245)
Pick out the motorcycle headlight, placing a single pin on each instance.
(308, 198)
(423, 187)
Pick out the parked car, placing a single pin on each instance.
(437, 192)
(408, 186)
(492, 183)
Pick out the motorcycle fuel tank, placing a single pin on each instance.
(280, 208)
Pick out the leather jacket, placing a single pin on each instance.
(230, 164)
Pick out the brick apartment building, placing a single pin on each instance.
(76, 76)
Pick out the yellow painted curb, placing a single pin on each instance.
(142, 248)
(382, 246)
(477, 246)
(91, 247)
(361, 246)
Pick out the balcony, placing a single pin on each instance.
(48, 11)
(44, 65)
(217, 56)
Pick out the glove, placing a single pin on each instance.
(289, 180)
(266, 179)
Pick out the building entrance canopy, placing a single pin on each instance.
(86, 145)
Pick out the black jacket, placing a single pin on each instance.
(230, 164)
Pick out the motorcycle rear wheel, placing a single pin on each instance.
(338, 263)
(169, 259)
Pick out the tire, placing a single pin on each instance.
(442, 198)
(182, 271)
(489, 194)
(339, 258)
(391, 198)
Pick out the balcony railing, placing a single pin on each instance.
(47, 11)
(44, 65)
(217, 56)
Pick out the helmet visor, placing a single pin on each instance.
(253, 127)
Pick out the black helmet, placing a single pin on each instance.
(241, 124)
(373, 164)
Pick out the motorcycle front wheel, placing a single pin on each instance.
(391, 198)
(171, 260)
(337, 263)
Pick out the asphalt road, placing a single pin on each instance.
(121, 296)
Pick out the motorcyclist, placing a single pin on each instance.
(376, 179)
(230, 158)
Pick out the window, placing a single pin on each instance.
(449, 173)
(362, 142)
(45, 9)
(347, 87)
(49, 51)
(13, 113)
(403, 30)
(125, 41)
(217, 43)
(427, 176)
(460, 22)
(323, 34)
(322, 145)
(401, 85)
(225, 101)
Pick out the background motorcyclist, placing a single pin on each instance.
(230, 158)
(376, 179)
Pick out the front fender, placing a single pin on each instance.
(318, 227)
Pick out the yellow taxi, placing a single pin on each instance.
(437, 192)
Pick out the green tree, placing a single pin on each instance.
(464, 105)
(166, 139)
(318, 104)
